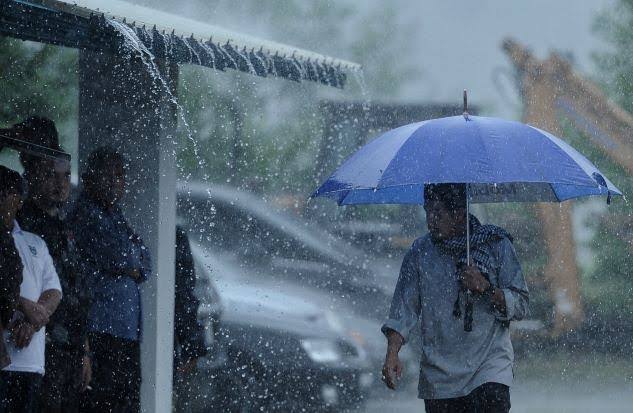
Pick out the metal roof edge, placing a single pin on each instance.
(116, 9)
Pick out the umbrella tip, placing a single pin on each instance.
(465, 104)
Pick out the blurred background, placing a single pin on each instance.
(258, 148)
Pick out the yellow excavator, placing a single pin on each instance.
(551, 91)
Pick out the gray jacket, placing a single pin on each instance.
(454, 362)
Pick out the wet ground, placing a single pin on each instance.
(557, 383)
(531, 397)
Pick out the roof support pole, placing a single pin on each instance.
(122, 105)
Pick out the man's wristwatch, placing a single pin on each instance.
(489, 292)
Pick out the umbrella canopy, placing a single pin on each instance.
(502, 161)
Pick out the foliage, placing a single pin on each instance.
(281, 126)
(615, 25)
(38, 80)
(613, 242)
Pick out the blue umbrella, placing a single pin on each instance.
(500, 160)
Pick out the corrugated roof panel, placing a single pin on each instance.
(113, 24)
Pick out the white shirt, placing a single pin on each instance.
(38, 276)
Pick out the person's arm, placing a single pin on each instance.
(22, 332)
(510, 300)
(51, 288)
(99, 251)
(403, 316)
(50, 299)
(86, 367)
(36, 313)
(143, 261)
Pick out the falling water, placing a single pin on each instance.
(302, 71)
(228, 55)
(359, 76)
(133, 45)
(251, 68)
(192, 51)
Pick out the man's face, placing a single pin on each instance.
(10, 204)
(50, 183)
(111, 183)
(442, 222)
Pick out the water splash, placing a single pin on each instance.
(359, 76)
(132, 47)
(244, 55)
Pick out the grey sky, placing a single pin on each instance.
(455, 43)
(458, 43)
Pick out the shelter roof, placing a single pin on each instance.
(110, 24)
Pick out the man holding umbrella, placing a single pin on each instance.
(461, 370)
(462, 282)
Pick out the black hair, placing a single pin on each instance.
(11, 182)
(453, 196)
(100, 161)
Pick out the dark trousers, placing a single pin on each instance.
(116, 374)
(19, 391)
(62, 381)
(487, 398)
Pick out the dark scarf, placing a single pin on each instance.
(480, 237)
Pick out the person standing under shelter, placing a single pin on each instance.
(189, 344)
(68, 367)
(115, 261)
(40, 294)
(439, 293)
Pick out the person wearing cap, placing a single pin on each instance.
(40, 294)
(68, 368)
(460, 310)
(116, 261)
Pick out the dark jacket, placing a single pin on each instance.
(107, 249)
(188, 334)
(67, 326)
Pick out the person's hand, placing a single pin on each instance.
(134, 274)
(86, 373)
(35, 313)
(187, 367)
(473, 279)
(392, 371)
(22, 333)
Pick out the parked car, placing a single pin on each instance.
(228, 219)
(283, 351)
(272, 246)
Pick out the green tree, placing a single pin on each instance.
(280, 124)
(39, 80)
(613, 240)
(615, 25)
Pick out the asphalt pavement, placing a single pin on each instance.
(528, 397)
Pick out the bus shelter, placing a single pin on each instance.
(128, 72)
